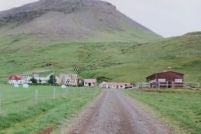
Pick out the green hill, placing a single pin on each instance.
(115, 61)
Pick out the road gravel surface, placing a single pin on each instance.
(114, 113)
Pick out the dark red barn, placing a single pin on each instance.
(166, 79)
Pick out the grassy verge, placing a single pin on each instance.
(181, 107)
(29, 112)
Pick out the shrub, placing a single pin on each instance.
(52, 80)
(33, 80)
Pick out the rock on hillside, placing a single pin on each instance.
(73, 20)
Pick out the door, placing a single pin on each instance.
(169, 84)
(89, 84)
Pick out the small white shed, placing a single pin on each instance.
(90, 82)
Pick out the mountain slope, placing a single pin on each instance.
(72, 20)
(111, 61)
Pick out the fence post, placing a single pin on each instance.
(1, 104)
(36, 96)
(198, 85)
(173, 85)
(167, 84)
(54, 93)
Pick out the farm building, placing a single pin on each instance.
(15, 79)
(90, 82)
(68, 79)
(41, 79)
(18, 79)
(26, 78)
(115, 85)
(166, 79)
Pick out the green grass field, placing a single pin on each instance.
(28, 111)
(180, 108)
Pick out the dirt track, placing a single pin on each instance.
(114, 113)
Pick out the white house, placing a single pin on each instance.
(68, 79)
(15, 80)
(90, 82)
(40, 79)
(115, 85)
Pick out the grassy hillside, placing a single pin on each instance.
(113, 61)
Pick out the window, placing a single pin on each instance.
(178, 80)
(161, 80)
(152, 81)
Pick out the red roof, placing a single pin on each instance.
(166, 72)
(15, 77)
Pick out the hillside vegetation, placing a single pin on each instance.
(115, 61)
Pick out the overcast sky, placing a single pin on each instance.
(165, 17)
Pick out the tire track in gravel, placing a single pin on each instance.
(114, 113)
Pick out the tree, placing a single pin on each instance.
(52, 80)
(33, 80)
(77, 68)
(102, 78)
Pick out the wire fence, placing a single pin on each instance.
(10, 101)
(186, 85)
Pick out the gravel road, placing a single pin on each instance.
(115, 113)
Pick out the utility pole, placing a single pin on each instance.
(1, 104)
(54, 89)
(36, 96)
(54, 93)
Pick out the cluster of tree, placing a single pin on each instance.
(33, 80)
(52, 80)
